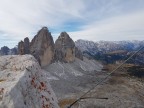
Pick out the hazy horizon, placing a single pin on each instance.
(113, 20)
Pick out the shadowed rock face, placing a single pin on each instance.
(23, 84)
(26, 45)
(64, 48)
(23, 47)
(42, 47)
(78, 53)
(4, 50)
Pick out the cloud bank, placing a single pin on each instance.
(83, 19)
(125, 27)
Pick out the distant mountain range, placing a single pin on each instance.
(108, 46)
(7, 51)
(105, 51)
(45, 50)
(111, 51)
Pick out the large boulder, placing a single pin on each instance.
(64, 48)
(23, 84)
(42, 47)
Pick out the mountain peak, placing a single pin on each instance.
(44, 28)
(64, 48)
(42, 47)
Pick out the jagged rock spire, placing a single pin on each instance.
(26, 45)
(23, 47)
(42, 47)
(64, 48)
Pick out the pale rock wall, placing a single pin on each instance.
(64, 48)
(42, 47)
(23, 84)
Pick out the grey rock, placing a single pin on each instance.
(23, 84)
(4, 50)
(26, 46)
(21, 48)
(64, 48)
(7, 51)
(78, 53)
(42, 47)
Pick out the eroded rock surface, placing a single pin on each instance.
(64, 48)
(24, 47)
(23, 84)
(42, 47)
(21, 48)
(78, 53)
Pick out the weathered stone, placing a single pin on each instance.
(23, 84)
(64, 48)
(26, 45)
(78, 53)
(21, 48)
(42, 47)
(4, 50)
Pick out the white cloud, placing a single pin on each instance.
(99, 18)
(125, 27)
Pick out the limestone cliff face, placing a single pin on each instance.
(78, 53)
(26, 46)
(23, 47)
(64, 48)
(23, 84)
(42, 47)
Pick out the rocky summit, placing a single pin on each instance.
(64, 48)
(26, 45)
(23, 84)
(42, 47)
(23, 47)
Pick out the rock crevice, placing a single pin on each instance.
(64, 48)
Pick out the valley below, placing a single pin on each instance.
(120, 90)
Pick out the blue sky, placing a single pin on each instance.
(83, 19)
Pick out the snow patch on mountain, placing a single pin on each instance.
(107, 46)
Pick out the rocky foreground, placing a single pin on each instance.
(23, 84)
